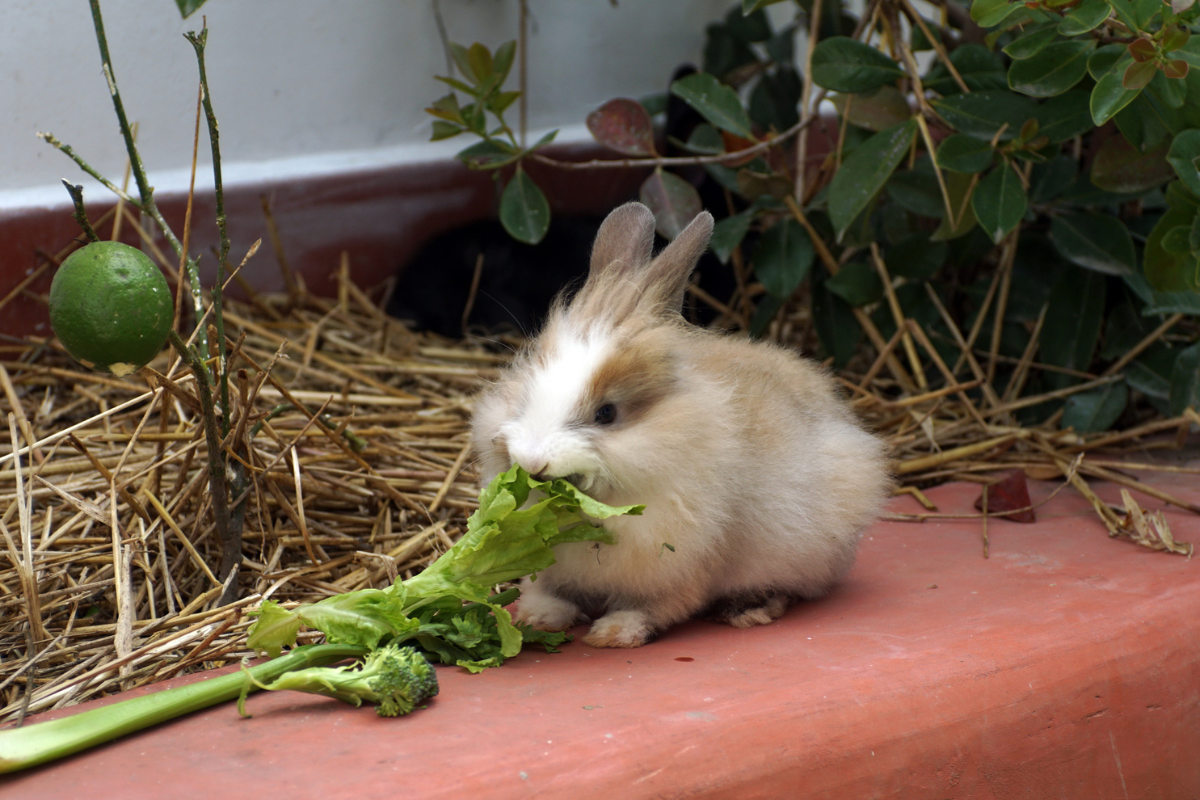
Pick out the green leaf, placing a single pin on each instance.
(479, 59)
(1150, 373)
(962, 153)
(959, 187)
(724, 53)
(488, 154)
(750, 6)
(728, 234)
(1084, 17)
(1145, 11)
(1140, 124)
(455, 83)
(834, 320)
(623, 125)
(1110, 95)
(875, 111)
(842, 64)
(365, 617)
(775, 100)
(857, 283)
(1052, 71)
(188, 7)
(760, 186)
(1069, 335)
(1064, 117)
(764, 313)
(447, 108)
(1049, 180)
(1177, 240)
(274, 629)
(1125, 13)
(1184, 158)
(1124, 327)
(980, 69)
(502, 60)
(1095, 241)
(716, 102)
(1095, 410)
(705, 140)
(1121, 168)
(1105, 59)
(916, 257)
(981, 114)
(524, 212)
(999, 202)
(989, 13)
(673, 200)
(444, 130)
(462, 61)
(1167, 271)
(1032, 41)
(1185, 381)
(1170, 92)
(865, 171)
(1176, 36)
(750, 26)
(1184, 302)
(783, 257)
(917, 190)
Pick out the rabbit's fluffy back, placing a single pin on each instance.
(752, 469)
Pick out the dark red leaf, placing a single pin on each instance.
(673, 200)
(1008, 495)
(1176, 68)
(624, 126)
(1138, 74)
(733, 144)
(1142, 50)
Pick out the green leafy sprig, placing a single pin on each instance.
(449, 609)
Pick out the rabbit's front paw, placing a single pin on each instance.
(546, 612)
(621, 629)
(749, 610)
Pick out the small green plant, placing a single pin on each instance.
(1030, 198)
(79, 319)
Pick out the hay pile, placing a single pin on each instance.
(108, 577)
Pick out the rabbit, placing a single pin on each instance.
(756, 477)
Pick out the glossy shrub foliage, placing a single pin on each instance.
(1036, 158)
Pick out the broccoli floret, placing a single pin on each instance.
(395, 678)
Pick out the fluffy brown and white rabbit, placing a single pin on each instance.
(756, 477)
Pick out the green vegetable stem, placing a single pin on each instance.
(21, 748)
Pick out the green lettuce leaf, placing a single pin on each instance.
(448, 610)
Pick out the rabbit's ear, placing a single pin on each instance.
(624, 242)
(622, 250)
(666, 279)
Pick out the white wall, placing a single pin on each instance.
(302, 86)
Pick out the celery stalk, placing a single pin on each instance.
(28, 746)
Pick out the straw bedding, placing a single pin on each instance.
(108, 578)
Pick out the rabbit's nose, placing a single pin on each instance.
(537, 470)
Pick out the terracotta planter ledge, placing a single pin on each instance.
(1065, 665)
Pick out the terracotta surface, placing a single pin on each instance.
(1066, 665)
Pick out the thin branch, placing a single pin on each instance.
(198, 43)
(678, 161)
(76, 192)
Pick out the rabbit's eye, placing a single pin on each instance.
(606, 414)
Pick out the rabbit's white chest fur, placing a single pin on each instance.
(757, 480)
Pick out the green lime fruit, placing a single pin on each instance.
(111, 308)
